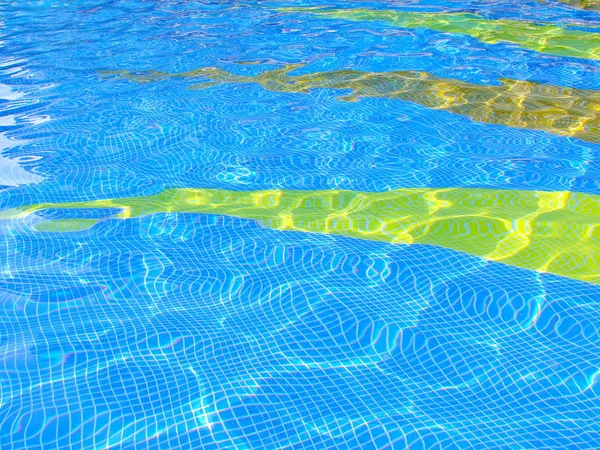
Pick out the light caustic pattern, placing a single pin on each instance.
(555, 232)
(541, 38)
(188, 331)
(515, 103)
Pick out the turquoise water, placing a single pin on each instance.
(222, 317)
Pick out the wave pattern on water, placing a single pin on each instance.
(515, 103)
(255, 264)
(543, 38)
(585, 4)
(184, 331)
(555, 232)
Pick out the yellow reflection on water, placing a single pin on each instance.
(555, 232)
(584, 4)
(515, 103)
(543, 38)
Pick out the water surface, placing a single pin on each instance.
(268, 225)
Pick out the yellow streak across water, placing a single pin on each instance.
(593, 5)
(555, 232)
(514, 103)
(540, 37)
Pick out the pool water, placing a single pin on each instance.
(299, 225)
